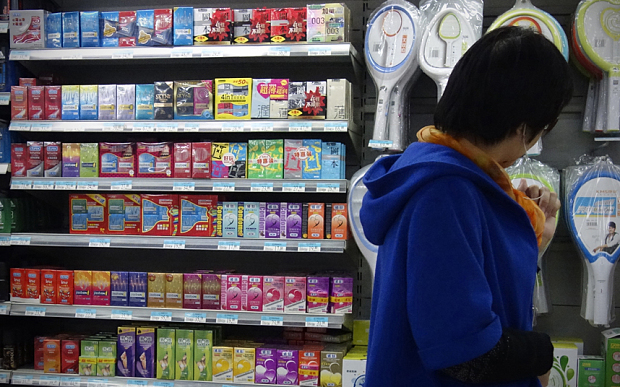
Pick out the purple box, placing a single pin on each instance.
(137, 289)
(271, 219)
(290, 219)
(266, 364)
(119, 288)
(126, 351)
(317, 293)
(145, 353)
(341, 295)
(211, 290)
(192, 291)
(288, 366)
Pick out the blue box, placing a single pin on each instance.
(331, 161)
(70, 102)
(311, 166)
(251, 219)
(230, 216)
(53, 29)
(183, 26)
(89, 27)
(146, 23)
(5, 145)
(119, 288)
(71, 29)
(343, 165)
(89, 95)
(137, 289)
(145, 100)
(108, 29)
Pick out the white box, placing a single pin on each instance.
(27, 28)
(338, 99)
(565, 365)
(353, 370)
(260, 103)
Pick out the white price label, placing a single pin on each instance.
(336, 126)
(224, 186)
(261, 127)
(88, 185)
(143, 127)
(122, 54)
(70, 382)
(163, 384)
(35, 311)
(86, 313)
(41, 127)
(273, 321)
(99, 242)
(309, 247)
(65, 185)
(190, 127)
(121, 314)
(114, 126)
(98, 383)
(21, 184)
(274, 246)
(43, 185)
(319, 52)
(174, 244)
(161, 316)
(137, 383)
(380, 144)
(212, 54)
(72, 56)
(125, 185)
(46, 380)
(183, 186)
(19, 55)
(299, 127)
(222, 318)
(261, 187)
(5, 98)
(4, 377)
(232, 127)
(228, 245)
(317, 322)
(22, 379)
(4, 28)
(279, 51)
(183, 53)
(4, 309)
(19, 126)
(20, 241)
(5, 240)
(293, 187)
(328, 187)
(195, 317)
(168, 127)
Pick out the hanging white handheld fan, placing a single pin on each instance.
(398, 115)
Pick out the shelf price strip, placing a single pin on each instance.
(161, 316)
(35, 311)
(20, 241)
(317, 322)
(227, 318)
(5, 240)
(88, 185)
(293, 187)
(274, 246)
(70, 382)
(224, 186)
(228, 245)
(309, 247)
(174, 244)
(22, 379)
(121, 314)
(195, 317)
(274, 321)
(86, 313)
(98, 382)
(4, 309)
(46, 380)
(99, 242)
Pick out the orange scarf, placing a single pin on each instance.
(431, 135)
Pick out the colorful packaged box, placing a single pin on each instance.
(119, 287)
(288, 25)
(182, 160)
(52, 362)
(315, 102)
(288, 366)
(291, 215)
(251, 219)
(70, 102)
(157, 290)
(260, 97)
(185, 355)
(89, 102)
(35, 162)
(65, 287)
(201, 160)
(278, 109)
(228, 160)
(211, 291)
(223, 363)
(70, 160)
(106, 367)
(88, 366)
(309, 366)
(53, 102)
(138, 288)
(89, 29)
(18, 283)
(71, 29)
(19, 160)
(83, 285)
(316, 220)
(89, 348)
(341, 295)
(232, 295)
(174, 290)
(266, 365)
(252, 26)
(53, 30)
(49, 287)
(87, 214)
(163, 33)
(109, 28)
(166, 364)
(233, 98)
(33, 284)
(145, 22)
(127, 28)
(591, 371)
(252, 293)
(331, 160)
(160, 215)
(273, 294)
(203, 362)
(19, 103)
(155, 159)
(126, 102)
(203, 100)
(316, 23)
(213, 26)
(89, 159)
(339, 222)
(337, 22)
(107, 102)
(265, 159)
(36, 103)
(295, 294)
(101, 288)
(123, 214)
(70, 356)
(198, 215)
(145, 100)
(338, 99)
(164, 101)
(183, 21)
(107, 349)
(229, 223)
(192, 291)
(331, 365)
(244, 364)
(39, 352)
(126, 352)
(293, 163)
(27, 82)
(145, 352)
(318, 292)
(117, 159)
(296, 99)
(27, 28)
(270, 225)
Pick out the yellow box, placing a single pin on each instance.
(245, 359)
(223, 364)
(174, 290)
(233, 98)
(157, 290)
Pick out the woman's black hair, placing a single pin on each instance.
(510, 77)
(612, 224)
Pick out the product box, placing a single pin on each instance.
(198, 215)
(28, 82)
(35, 159)
(182, 160)
(244, 363)
(278, 109)
(88, 366)
(332, 359)
(160, 215)
(228, 160)
(361, 330)
(293, 154)
(316, 220)
(565, 364)
(117, 159)
(183, 21)
(19, 103)
(337, 22)
(309, 366)
(126, 102)
(65, 287)
(145, 352)
(260, 97)
(331, 160)
(89, 348)
(107, 349)
(166, 364)
(591, 371)
(315, 106)
(157, 290)
(336, 223)
(184, 355)
(39, 353)
(252, 293)
(145, 21)
(19, 160)
(318, 294)
(288, 25)
(270, 223)
(316, 23)
(83, 285)
(193, 99)
(242, 25)
(164, 100)
(338, 99)
(266, 159)
(123, 214)
(203, 363)
(89, 28)
(223, 363)
(174, 290)
(145, 101)
(295, 294)
(211, 291)
(53, 30)
(52, 362)
(273, 294)
(106, 367)
(18, 283)
(203, 100)
(253, 26)
(266, 365)
(341, 295)
(233, 98)
(288, 366)
(296, 99)
(87, 214)
(192, 291)
(33, 284)
(291, 220)
(27, 28)
(36, 103)
(89, 102)
(138, 289)
(163, 33)
(107, 102)
(229, 223)
(232, 295)
(354, 369)
(71, 29)
(109, 28)
(119, 287)
(53, 102)
(155, 159)
(89, 159)
(49, 287)
(126, 351)
(213, 26)
(101, 288)
(201, 160)
(70, 102)
(251, 219)
(127, 28)
(70, 160)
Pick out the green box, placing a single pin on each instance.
(89, 348)
(184, 355)
(265, 159)
(611, 352)
(166, 345)
(88, 366)
(361, 328)
(89, 160)
(107, 349)
(591, 371)
(203, 352)
(106, 367)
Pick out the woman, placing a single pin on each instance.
(452, 302)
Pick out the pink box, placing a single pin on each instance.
(201, 160)
(183, 160)
(53, 102)
(117, 159)
(252, 293)
(19, 103)
(203, 100)
(53, 157)
(101, 287)
(36, 103)
(341, 295)
(192, 291)
(273, 294)
(27, 82)
(211, 291)
(318, 294)
(155, 159)
(35, 159)
(295, 294)
(232, 295)
(19, 159)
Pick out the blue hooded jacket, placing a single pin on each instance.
(456, 264)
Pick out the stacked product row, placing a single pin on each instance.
(221, 99)
(256, 159)
(321, 293)
(180, 26)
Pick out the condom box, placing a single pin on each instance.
(19, 103)
(89, 348)
(145, 352)
(36, 103)
(65, 287)
(145, 23)
(174, 290)
(251, 26)
(184, 355)
(89, 29)
(164, 101)
(126, 351)
(156, 290)
(106, 367)
(87, 366)
(591, 371)
(270, 224)
(52, 362)
(223, 363)
(338, 99)
(160, 215)
(337, 22)
(296, 99)
(266, 159)
(53, 30)
(18, 283)
(19, 160)
(88, 102)
(127, 28)
(242, 25)
(260, 97)
(331, 159)
(203, 347)
(83, 286)
(49, 287)
(166, 364)
(273, 294)
(288, 25)
(107, 349)
(266, 365)
(155, 159)
(101, 288)
(117, 159)
(138, 289)
(213, 26)
(39, 352)
(70, 102)
(71, 29)
(339, 222)
(228, 160)
(33, 284)
(200, 160)
(145, 100)
(183, 160)
(232, 294)
(35, 161)
(119, 287)
(278, 109)
(183, 21)
(295, 294)
(198, 215)
(203, 100)
(163, 33)
(109, 27)
(251, 219)
(193, 99)
(89, 159)
(292, 158)
(126, 102)
(309, 365)
(252, 293)
(107, 102)
(566, 356)
(609, 350)
(87, 214)
(70, 160)
(229, 219)
(123, 214)
(332, 359)
(53, 102)
(315, 104)
(233, 98)
(316, 220)
(244, 364)
(288, 366)
(341, 295)
(211, 291)
(318, 294)
(27, 29)
(291, 217)
(316, 23)
(192, 290)
(354, 368)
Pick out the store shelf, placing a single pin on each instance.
(199, 316)
(178, 185)
(178, 126)
(175, 243)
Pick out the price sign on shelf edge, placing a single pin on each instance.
(227, 318)
(317, 322)
(195, 317)
(274, 321)
(86, 313)
(121, 314)
(70, 382)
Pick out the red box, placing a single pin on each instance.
(18, 283)
(183, 160)
(123, 214)
(201, 160)
(49, 287)
(70, 355)
(19, 160)
(192, 221)
(53, 157)
(52, 356)
(33, 284)
(27, 82)
(39, 352)
(36, 103)
(87, 214)
(53, 102)
(163, 26)
(288, 25)
(155, 159)
(117, 159)
(252, 293)
(35, 159)
(127, 20)
(160, 215)
(65, 287)
(19, 103)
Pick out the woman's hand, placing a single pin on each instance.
(548, 202)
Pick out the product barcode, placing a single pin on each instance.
(591, 223)
(435, 53)
(599, 43)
